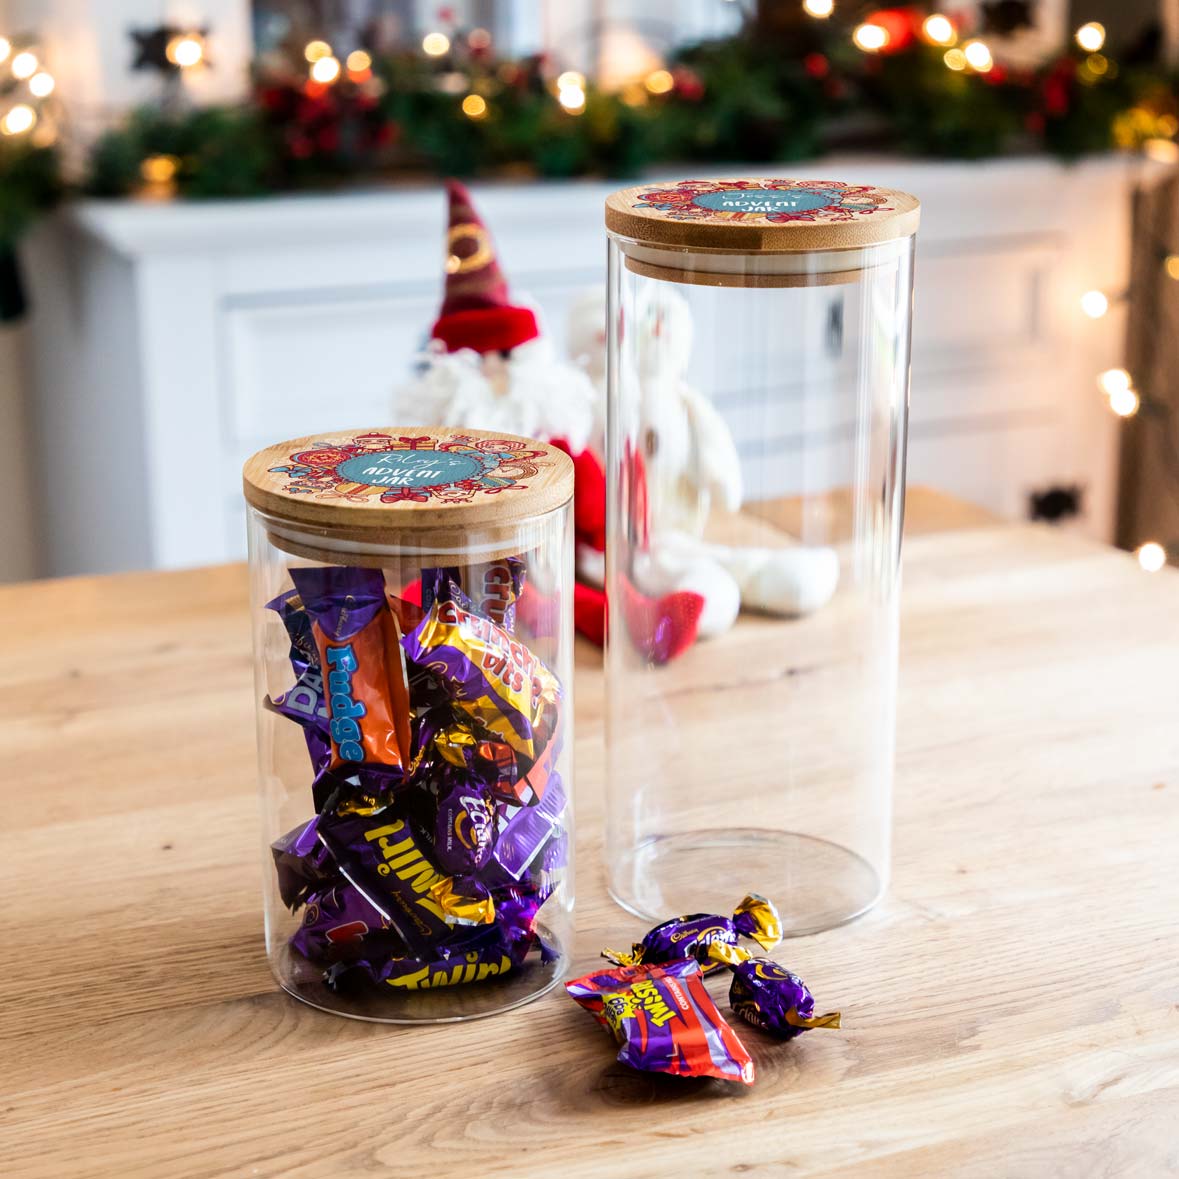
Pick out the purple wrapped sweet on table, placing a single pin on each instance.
(768, 995)
(664, 1020)
(687, 937)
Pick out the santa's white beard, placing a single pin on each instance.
(529, 392)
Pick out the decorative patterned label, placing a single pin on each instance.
(775, 201)
(389, 468)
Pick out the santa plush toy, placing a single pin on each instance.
(488, 366)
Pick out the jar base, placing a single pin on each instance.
(304, 981)
(815, 884)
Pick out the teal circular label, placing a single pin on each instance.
(765, 200)
(410, 468)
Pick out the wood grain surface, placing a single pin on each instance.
(534, 485)
(1010, 1009)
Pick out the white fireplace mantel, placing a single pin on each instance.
(170, 340)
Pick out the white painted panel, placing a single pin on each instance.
(981, 303)
(318, 360)
(321, 365)
(997, 466)
(180, 375)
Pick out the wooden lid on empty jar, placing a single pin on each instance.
(425, 487)
(758, 232)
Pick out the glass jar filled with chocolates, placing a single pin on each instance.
(411, 597)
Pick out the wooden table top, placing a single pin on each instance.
(1010, 1009)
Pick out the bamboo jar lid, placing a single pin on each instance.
(757, 232)
(431, 489)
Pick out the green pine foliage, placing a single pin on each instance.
(747, 99)
(30, 183)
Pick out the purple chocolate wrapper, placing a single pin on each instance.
(664, 1021)
(490, 676)
(471, 955)
(301, 862)
(465, 828)
(774, 999)
(497, 590)
(492, 589)
(525, 830)
(388, 860)
(304, 702)
(343, 599)
(438, 584)
(289, 607)
(693, 935)
(340, 925)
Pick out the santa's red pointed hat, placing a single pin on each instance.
(476, 311)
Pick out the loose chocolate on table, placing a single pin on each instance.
(768, 995)
(686, 937)
(665, 1020)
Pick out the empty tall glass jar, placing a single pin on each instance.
(411, 605)
(758, 396)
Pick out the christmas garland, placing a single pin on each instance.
(751, 98)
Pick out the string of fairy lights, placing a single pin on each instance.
(568, 87)
(875, 34)
(25, 85)
(1125, 399)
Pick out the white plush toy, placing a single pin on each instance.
(691, 466)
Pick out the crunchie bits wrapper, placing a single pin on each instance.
(690, 936)
(665, 1021)
(364, 675)
(491, 589)
(769, 996)
(491, 677)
